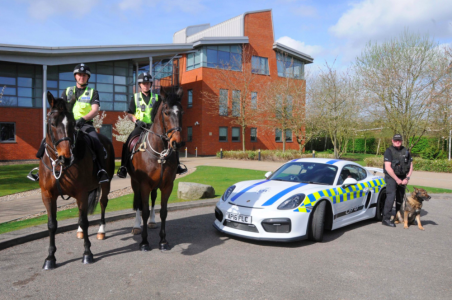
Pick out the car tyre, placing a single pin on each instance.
(317, 223)
(380, 205)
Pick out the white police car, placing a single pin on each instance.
(301, 199)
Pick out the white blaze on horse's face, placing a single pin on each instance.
(175, 110)
(65, 124)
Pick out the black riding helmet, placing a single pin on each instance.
(144, 77)
(82, 68)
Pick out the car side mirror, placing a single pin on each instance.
(349, 181)
(268, 174)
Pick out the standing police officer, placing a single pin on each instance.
(398, 166)
(140, 109)
(85, 109)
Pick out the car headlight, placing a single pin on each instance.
(292, 202)
(227, 193)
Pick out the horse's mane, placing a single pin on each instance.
(155, 108)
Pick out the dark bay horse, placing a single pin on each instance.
(155, 166)
(67, 168)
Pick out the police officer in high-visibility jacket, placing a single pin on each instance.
(139, 112)
(85, 109)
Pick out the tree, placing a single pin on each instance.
(400, 78)
(124, 127)
(243, 111)
(335, 99)
(99, 120)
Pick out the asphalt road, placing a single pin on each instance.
(361, 261)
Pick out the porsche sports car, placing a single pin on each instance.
(301, 199)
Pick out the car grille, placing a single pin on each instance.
(279, 225)
(240, 226)
(218, 214)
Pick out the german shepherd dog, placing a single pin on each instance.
(411, 208)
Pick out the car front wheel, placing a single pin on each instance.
(317, 223)
(380, 205)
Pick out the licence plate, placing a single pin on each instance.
(238, 218)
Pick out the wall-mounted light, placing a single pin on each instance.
(196, 123)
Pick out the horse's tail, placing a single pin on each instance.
(93, 199)
(137, 204)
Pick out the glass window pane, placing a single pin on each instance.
(106, 105)
(62, 92)
(211, 56)
(212, 47)
(198, 57)
(253, 134)
(104, 78)
(223, 102)
(121, 106)
(223, 58)
(190, 98)
(37, 92)
(92, 78)
(236, 61)
(224, 48)
(52, 73)
(189, 134)
(52, 84)
(9, 91)
(105, 70)
(120, 97)
(278, 135)
(120, 80)
(66, 76)
(37, 102)
(105, 97)
(37, 83)
(101, 87)
(26, 70)
(24, 92)
(235, 103)
(65, 84)
(235, 134)
(26, 82)
(236, 49)
(54, 93)
(8, 101)
(223, 134)
(120, 89)
(121, 71)
(7, 69)
(190, 60)
(122, 63)
(105, 63)
(7, 132)
(253, 100)
(7, 81)
(288, 135)
(25, 102)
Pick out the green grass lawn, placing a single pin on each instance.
(218, 177)
(13, 178)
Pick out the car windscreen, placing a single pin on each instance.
(306, 172)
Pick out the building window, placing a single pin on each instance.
(163, 68)
(253, 100)
(223, 134)
(194, 59)
(189, 134)
(259, 65)
(253, 134)
(289, 66)
(223, 102)
(7, 132)
(106, 130)
(278, 135)
(235, 137)
(190, 98)
(236, 103)
(289, 135)
(222, 57)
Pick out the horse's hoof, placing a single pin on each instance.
(152, 225)
(100, 236)
(136, 231)
(164, 247)
(88, 259)
(145, 247)
(80, 235)
(49, 264)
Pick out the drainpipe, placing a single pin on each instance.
(44, 98)
(151, 71)
(136, 78)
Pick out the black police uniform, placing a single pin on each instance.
(400, 163)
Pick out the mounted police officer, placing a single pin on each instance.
(85, 108)
(398, 166)
(140, 109)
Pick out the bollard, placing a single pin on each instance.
(185, 152)
(259, 154)
(221, 153)
(196, 152)
(313, 153)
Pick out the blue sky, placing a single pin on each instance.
(326, 30)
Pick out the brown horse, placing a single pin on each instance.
(67, 168)
(155, 166)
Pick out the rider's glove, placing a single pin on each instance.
(140, 123)
(80, 122)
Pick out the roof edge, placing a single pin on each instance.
(221, 41)
(298, 54)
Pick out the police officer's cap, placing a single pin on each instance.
(144, 77)
(397, 137)
(82, 68)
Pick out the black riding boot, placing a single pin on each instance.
(122, 171)
(102, 175)
(35, 177)
(180, 170)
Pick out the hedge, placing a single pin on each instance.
(271, 155)
(419, 164)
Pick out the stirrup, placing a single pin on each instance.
(181, 170)
(33, 177)
(122, 172)
(102, 175)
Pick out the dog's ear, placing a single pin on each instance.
(416, 189)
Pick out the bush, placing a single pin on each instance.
(438, 165)
(269, 155)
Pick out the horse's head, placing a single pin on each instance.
(171, 113)
(60, 129)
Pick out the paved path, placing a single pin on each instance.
(21, 207)
(361, 261)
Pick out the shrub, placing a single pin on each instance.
(419, 164)
(269, 155)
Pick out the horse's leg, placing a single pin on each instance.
(145, 191)
(152, 224)
(136, 193)
(103, 204)
(166, 192)
(79, 231)
(84, 224)
(52, 224)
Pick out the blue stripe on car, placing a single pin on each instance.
(282, 193)
(330, 162)
(246, 190)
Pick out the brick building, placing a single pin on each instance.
(193, 61)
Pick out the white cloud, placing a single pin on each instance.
(43, 9)
(191, 6)
(311, 50)
(378, 20)
(306, 11)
